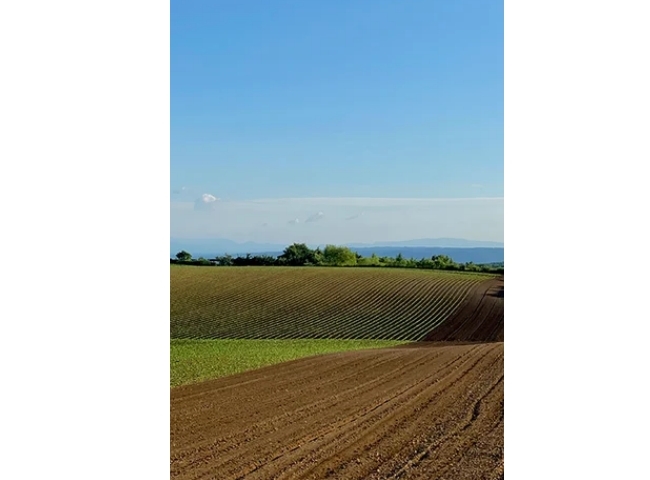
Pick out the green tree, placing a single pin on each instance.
(333, 255)
(318, 256)
(298, 254)
(442, 261)
(425, 263)
(184, 256)
(371, 260)
(225, 260)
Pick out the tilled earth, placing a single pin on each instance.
(478, 319)
(430, 410)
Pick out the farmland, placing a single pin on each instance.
(196, 360)
(429, 408)
(412, 412)
(318, 302)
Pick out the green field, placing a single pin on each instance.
(313, 302)
(198, 360)
(225, 320)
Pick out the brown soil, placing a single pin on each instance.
(478, 319)
(429, 410)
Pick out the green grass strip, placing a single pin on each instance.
(198, 360)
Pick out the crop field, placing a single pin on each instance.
(197, 360)
(429, 409)
(295, 302)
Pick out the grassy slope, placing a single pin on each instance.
(198, 360)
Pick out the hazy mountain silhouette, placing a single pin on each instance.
(432, 242)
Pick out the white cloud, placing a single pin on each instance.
(295, 221)
(205, 202)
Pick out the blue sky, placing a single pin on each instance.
(282, 101)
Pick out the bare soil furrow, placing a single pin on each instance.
(371, 433)
(369, 425)
(347, 394)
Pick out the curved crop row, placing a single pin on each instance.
(316, 302)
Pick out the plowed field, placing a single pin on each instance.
(428, 410)
(478, 319)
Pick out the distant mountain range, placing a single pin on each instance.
(432, 242)
(460, 250)
(220, 246)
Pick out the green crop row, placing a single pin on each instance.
(303, 302)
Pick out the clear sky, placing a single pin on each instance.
(281, 110)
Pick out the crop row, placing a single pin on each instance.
(292, 302)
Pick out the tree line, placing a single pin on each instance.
(299, 254)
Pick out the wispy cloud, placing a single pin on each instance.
(315, 217)
(367, 201)
(353, 217)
